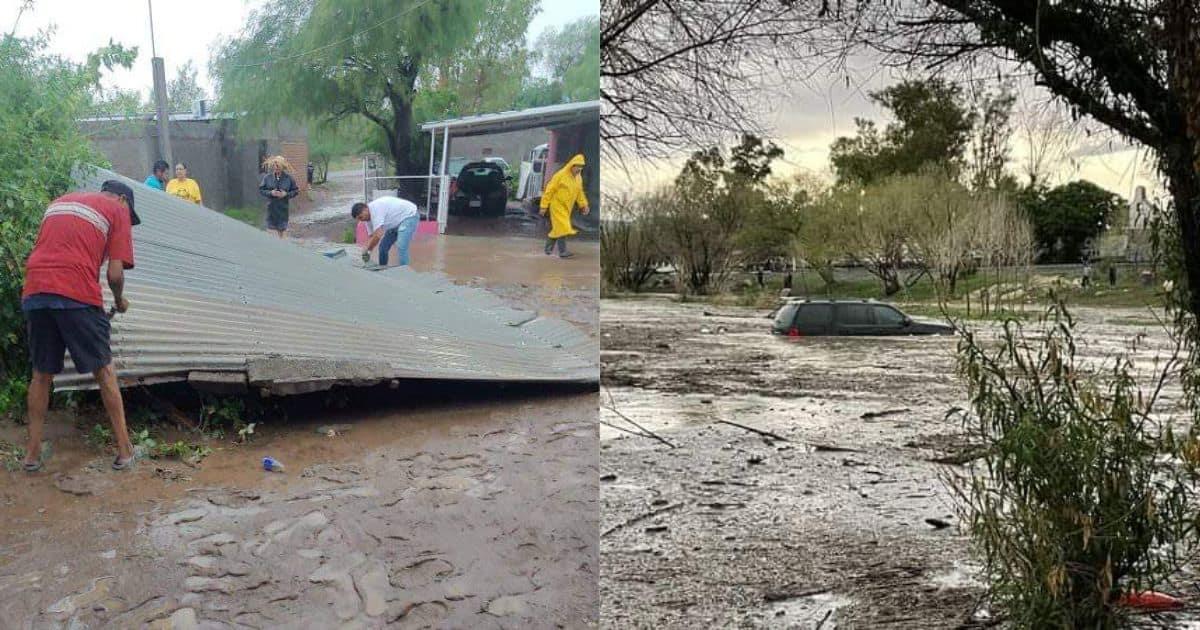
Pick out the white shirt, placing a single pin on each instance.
(389, 212)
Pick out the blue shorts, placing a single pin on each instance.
(82, 331)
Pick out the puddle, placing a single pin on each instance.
(814, 611)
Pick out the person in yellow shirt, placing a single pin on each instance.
(183, 187)
(559, 198)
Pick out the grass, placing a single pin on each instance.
(348, 236)
(252, 216)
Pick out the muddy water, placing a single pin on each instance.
(467, 509)
(826, 521)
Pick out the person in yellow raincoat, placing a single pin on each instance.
(184, 187)
(559, 197)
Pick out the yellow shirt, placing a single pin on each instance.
(186, 189)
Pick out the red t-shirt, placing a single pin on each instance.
(79, 232)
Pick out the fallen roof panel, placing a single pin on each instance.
(211, 294)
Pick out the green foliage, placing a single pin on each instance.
(932, 127)
(1067, 218)
(1083, 491)
(629, 247)
(253, 216)
(41, 96)
(99, 437)
(183, 91)
(348, 236)
(568, 59)
(385, 58)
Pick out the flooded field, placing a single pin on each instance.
(825, 507)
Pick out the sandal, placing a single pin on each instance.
(125, 463)
(32, 467)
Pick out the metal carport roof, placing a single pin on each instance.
(533, 118)
(214, 300)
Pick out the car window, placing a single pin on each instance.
(888, 316)
(855, 315)
(783, 318)
(814, 316)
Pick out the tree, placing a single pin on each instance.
(1048, 136)
(684, 73)
(880, 222)
(183, 91)
(370, 59)
(630, 251)
(821, 239)
(1066, 218)
(487, 74)
(1132, 65)
(932, 126)
(42, 96)
(570, 57)
(990, 140)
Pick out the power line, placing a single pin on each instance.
(340, 41)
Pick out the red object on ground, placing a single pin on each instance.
(1149, 600)
(795, 332)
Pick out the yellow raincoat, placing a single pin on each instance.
(560, 196)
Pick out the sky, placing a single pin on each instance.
(805, 118)
(182, 30)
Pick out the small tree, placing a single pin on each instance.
(629, 249)
(821, 240)
(1083, 491)
(1067, 217)
(881, 221)
(698, 227)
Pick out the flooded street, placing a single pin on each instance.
(451, 505)
(825, 507)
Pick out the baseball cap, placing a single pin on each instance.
(117, 188)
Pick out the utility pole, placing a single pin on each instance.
(160, 94)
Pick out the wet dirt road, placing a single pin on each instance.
(460, 509)
(823, 522)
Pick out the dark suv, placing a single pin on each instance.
(804, 318)
(481, 189)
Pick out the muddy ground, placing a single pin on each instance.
(442, 506)
(840, 520)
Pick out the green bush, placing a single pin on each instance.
(1083, 491)
(41, 97)
(348, 236)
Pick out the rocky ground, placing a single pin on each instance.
(826, 507)
(453, 505)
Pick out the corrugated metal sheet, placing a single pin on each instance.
(211, 294)
(516, 120)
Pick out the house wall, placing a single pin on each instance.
(572, 140)
(224, 161)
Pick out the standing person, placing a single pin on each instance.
(63, 306)
(158, 177)
(1112, 274)
(392, 220)
(1087, 274)
(183, 187)
(278, 186)
(560, 196)
(309, 169)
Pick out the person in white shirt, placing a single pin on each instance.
(391, 220)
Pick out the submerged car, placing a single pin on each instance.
(481, 188)
(818, 318)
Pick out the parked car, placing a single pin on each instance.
(499, 161)
(482, 189)
(814, 318)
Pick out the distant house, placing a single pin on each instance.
(223, 154)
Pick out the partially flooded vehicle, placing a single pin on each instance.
(820, 318)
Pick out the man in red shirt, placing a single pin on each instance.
(64, 309)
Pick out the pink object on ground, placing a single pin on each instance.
(360, 233)
(1149, 600)
(427, 228)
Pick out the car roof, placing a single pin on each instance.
(804, 300)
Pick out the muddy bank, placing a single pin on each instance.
(825, 506)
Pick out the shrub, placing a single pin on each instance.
(1082, 492)
(41, 97)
